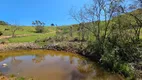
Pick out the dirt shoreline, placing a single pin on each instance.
(18, 46)
(33, 46)
(68, 47)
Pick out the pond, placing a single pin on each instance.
(52, 65)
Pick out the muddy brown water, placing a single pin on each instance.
(52, 65)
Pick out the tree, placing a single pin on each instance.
(14, 28)
(39, 26)
(33, 23)
(82, 31)
(93, 14)
(71, 31)
(52, 24)
(115, 35)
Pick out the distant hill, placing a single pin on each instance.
(3, 23)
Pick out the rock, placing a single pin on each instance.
(4, 65)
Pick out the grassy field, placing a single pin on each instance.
(30, 38)
(27, 34)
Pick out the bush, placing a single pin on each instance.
(39, 26)
(94, 49)
(113, 61)
(1, 33)
(116, 54)
(39, 29)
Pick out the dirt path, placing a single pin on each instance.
(5, 37)
(21, 35)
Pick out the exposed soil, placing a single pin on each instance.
(5, 37)
(18, 46)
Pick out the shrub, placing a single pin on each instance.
(116, 54)
(1, 33)
(39, 26)
(21, 78)
(39, 29)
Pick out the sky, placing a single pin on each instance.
(23, 12)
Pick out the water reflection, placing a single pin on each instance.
(51, 65)
(38, 58)
(15, 62)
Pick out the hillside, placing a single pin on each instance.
(28, 34)
(25, 34)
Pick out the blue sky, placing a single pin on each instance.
(23, 12)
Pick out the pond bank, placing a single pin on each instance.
(2, 77)
(74, 47)
(67, 47)
(18, 46)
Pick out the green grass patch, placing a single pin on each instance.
(31, 38)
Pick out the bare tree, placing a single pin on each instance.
(14, 28)
(116, 31)
(33, 23)
(94, 14)
(71, 31)
(82, 31)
